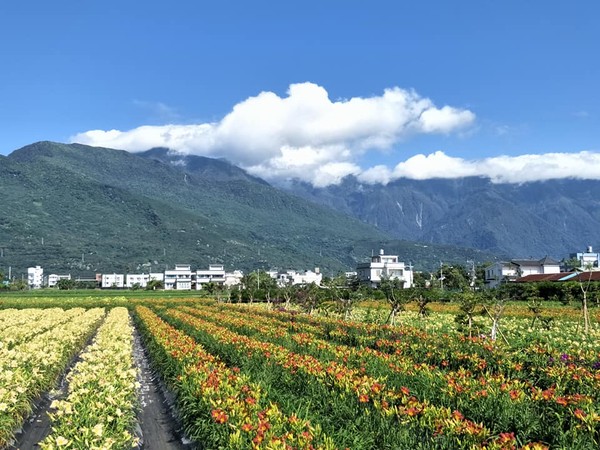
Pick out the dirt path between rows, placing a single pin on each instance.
(158, 428)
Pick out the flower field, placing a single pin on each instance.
(249, 377)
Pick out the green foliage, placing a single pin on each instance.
(103, 210)
(396, 296)
(65, 284)
(468, 302)
(153, 285)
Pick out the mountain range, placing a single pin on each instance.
(77, 209)
(529, 220)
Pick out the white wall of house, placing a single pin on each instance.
(35, 277)
(500, 272)
(214, 274)
(113, 280)
(233, 278)
(179, 278)
(293, 277)
(141, 279)
(53, 279)
(383, 265)
(588, 258)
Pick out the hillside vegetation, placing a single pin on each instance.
(80, 209)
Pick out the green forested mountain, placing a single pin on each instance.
(79, 209)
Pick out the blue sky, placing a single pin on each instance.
(517, 78)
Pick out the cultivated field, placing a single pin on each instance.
(248, 376)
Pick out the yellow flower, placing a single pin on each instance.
(98, 430)
(61, 441)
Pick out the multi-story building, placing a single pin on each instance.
(233, 278)
(384, 266)
(35, 277)
(142, 279)
(53, 279)
(112, 280)
(214, 274)
(179, 278)
(502, 272)
(545, 265)
(587, 259)
(292, 277)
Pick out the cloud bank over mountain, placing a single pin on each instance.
(308, 136)
(584, 165)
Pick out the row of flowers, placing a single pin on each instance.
(33, 367)
(383, 404)
(219, 406)
(100, 408)
(495, 400)
(22, 325)
(574, 369)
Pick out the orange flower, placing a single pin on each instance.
(219, 416)
(579, 413)
(363, 398)
(514, 394)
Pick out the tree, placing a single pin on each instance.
(453, 278)
(18, 285)
(496, 304)
(258, 285)
(154, 285)
(396, 296)
(422, 279)
(210, 287)
(469, 300)
(423, 297)
(343, 297)
(309, 297)
(65, 284)
(584, 284)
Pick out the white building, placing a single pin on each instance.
(587, 258)
(214, 274)
(383, 265)
(35, 277)
(502, 272)
(292, 277)
(179, 278)
(53, 279)
(545, 265)
(112, 280)
(233, 278)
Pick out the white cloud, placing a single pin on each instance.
(304, 135)
(501, 169)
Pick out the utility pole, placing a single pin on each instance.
(441, 276)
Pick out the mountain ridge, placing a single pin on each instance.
(75, 208)
(533, 219)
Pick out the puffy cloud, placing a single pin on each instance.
(304, 135)
(500, 169)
